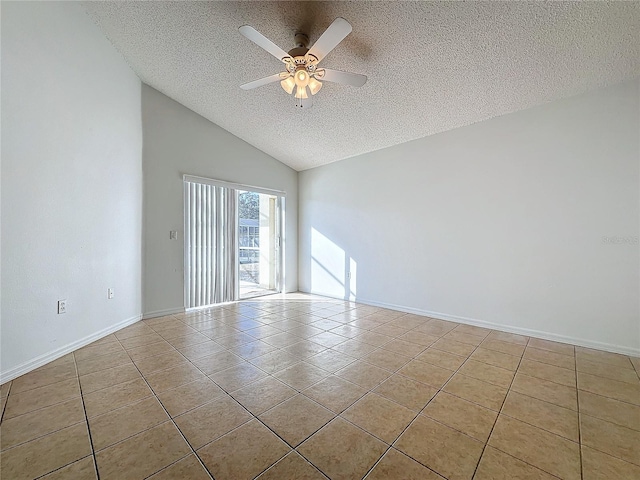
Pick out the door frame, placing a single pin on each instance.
(280, 229)
(279, 247)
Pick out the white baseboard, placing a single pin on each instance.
(581, 342)
(37, 362)
(162, 313)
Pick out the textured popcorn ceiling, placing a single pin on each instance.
(432, 66)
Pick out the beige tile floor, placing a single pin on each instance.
(302, 387)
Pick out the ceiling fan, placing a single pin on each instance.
(302, 76)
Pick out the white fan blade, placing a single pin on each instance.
(331, 37)
(262, 81)
(337, 76)
(262, 41)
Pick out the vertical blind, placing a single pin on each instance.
(210, 244)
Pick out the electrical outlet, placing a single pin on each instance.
(110, 293)
(173, 235)
(62, 306)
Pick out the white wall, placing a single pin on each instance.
(499, 222)
(178, 141)
(71, 184)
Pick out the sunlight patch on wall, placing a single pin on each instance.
(352, 277)
(333, 273)
(327, 266)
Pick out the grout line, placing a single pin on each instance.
(609, 378)
(75, 424)
(580, 389)
(153, 393)
(391, 445)
(295, 452)
(440, 389)
(535, 426)
(575, 362)
(66, 465)
(543, 401)
(179, 460)
(526, 463)
(30, 389)
(500, 413)
(6, 402)
(46, 406)
(636, 369)
(86, 418)
(610, 398)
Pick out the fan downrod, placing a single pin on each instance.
(301, 40)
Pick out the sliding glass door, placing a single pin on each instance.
(259, 242)
(233, 242)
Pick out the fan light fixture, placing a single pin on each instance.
(301, 92)
(301, 63)
(302, 78)
(300, 81)
(287, 84)
(314, 86)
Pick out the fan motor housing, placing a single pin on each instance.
(298, 52)
(299, 60)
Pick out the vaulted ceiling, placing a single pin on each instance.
(432, 66)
